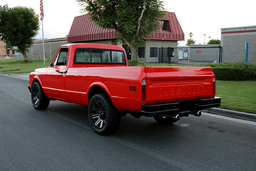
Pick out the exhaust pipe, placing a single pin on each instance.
(198, 113)
(176, 117)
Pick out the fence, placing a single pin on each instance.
(51, 46)
(200, 54)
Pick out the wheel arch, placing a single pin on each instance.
(39, 100)
(98, 88)
(36, 79)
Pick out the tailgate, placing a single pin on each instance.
(178, 83)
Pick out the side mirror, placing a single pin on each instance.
(51, 65)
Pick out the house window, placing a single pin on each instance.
(141, 52)
(153, 52)
(165, 25)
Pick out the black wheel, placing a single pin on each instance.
(102, 115)
(39, 100)
(164, 120)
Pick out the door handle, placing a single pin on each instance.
(63, 72)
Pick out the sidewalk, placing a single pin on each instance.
(218, 111)
(23, 76)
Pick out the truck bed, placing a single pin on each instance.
(178, 83)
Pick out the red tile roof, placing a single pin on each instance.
(83, 29)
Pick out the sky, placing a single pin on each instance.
(198, 16)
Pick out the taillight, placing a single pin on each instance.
(143, 90)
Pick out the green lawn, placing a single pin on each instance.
(237, 95)
(18, 66)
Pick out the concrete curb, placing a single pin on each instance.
(232, 113)
(23, 76)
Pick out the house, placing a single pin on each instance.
(156, 49)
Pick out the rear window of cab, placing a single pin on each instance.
(99, 56)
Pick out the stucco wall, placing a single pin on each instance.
(205, 53)
(51, 46)
(2, 49)
(233, 42)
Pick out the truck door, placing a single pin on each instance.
(55, 76)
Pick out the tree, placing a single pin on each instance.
(17, 27)
(190, 35)
(190, 40)
(133, 20)
(214, 41)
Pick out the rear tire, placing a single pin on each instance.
(38, 98)
(102, 115)
(165, 120)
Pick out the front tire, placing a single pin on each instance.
(38, 98)
(102, 115)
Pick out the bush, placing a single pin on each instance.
(133, 63)
(235, 74)
(234, 71)
(214, 41)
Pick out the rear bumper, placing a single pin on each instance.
(183, 107)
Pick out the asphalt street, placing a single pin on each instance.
(60, 138)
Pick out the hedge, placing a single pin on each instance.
(235, 74)
(234, 71)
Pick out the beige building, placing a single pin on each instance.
(5, 52)
(2, 49)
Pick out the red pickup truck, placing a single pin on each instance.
(99, 76)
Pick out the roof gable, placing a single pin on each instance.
(83, 29)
